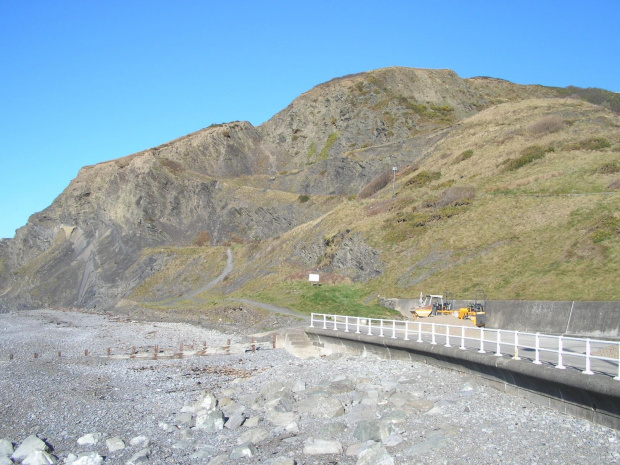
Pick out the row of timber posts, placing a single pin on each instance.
(157, 351)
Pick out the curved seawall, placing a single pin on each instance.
(595, 398)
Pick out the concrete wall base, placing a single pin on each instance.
(594, 398)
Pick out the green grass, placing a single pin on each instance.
(311, 152)
(341, 299)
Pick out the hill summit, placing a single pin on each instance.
(392, 182)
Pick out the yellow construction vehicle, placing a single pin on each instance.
(428, 305)
(476, 312)
(433, 305)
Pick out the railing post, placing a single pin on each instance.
(447, 344)
(587, 371)
(498, 352)
(324, 321)
(370, 326)
(617, 378)
(560, 366)
(381, 326)
(393, 329)
(482, 351)
(406, 338)
(419, 332)
(462, 338)
(358, 325)
(335, 322)
(537, 357)
(312, 320)
(433, 334)
(346, 324)
(516, 357)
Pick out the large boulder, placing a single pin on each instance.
(29, 446)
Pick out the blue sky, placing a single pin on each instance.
(84, 82)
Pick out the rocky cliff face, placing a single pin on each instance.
(237, 183)
(85, 249)
(367, 109)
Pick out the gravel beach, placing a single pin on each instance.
(227, 404)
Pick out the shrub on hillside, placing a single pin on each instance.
(456, 196)
(445, 184)
(593, 143)
(463, 156)
(303, 198)
(615, 185)
(594, 95)
(375, 185)
(528, 155)
(609, 168)
(423, 178)
(202, 239)
(546, 125)
(605, 227)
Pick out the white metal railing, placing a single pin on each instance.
(590, 356)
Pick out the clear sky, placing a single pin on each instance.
(83, 82)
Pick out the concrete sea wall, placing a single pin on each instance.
(595, 398)
(571, 318)
(589, 319)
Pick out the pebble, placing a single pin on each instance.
(339, 409)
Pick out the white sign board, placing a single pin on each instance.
(314, 278)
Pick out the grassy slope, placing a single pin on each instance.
(187, 268)
(547, 230)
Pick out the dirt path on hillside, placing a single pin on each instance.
(230, 263)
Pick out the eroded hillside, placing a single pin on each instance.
(520, 199)
(498, 186)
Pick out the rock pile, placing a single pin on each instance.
(345, 410)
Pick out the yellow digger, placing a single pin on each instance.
(475, 312)
(428, 305)
(433, 305)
